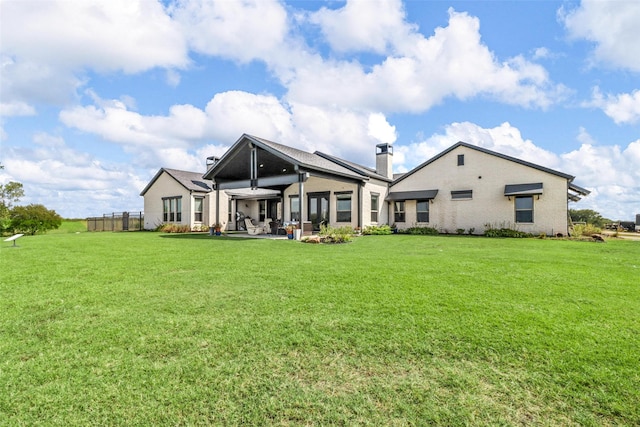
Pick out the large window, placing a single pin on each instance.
(398, 211)
(524, 208)
(262, 209)
(374, 207)
(294, 202)
(198, 203)
(172, 209)
(343, 207)
(422, 210)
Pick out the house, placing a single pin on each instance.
(175, 196)
(464, 187)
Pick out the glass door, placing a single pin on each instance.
(318, 209)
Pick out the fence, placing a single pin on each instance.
(117, 221)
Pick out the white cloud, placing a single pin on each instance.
(623, 108)
(73, 183)
(241, 30)
(46, 46)
(364, 25)
(612, 26)
(611, 172)
(423, 72)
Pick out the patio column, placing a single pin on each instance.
(301, 198)
(217, 204)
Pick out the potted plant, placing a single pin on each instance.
(217, 227)
(290, 229)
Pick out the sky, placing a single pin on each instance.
(97, 96)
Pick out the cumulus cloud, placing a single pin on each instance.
(71, 182)
(612, 174)
(623, 108)
(47, 45)
(364, 25)
(240, 30)
(612, 27)
(422, 72)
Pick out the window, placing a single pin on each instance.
(460, 159)
(422, 210)
(197, 209)
(464, 194)
(343, 207)
(172, 209)
(398, 211)
(374, 207)
(294, 202)
(524, 208)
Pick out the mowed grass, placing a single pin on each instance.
(153, 329)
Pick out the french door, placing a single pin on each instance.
(318, 209)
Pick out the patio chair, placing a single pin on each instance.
(253, 229)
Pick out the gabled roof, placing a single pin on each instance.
(191, 181)
(484, 150)
(362, 170)
(302, 160)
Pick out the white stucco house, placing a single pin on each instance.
(464, 187)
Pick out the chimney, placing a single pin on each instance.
(212, 160)
(384, 160)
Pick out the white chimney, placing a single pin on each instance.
(384, 160)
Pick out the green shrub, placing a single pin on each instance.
(377, 230)
(174, 228)
(506, 232)
(424, 231)
(331, 234)
(587, 230)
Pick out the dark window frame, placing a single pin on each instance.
(460, 159)
(343, 215)
(422, 215)
(172, 209)
(523, 215)
(198, 214)
(399, 211)
(375, 197)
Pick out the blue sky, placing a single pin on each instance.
(96, 96)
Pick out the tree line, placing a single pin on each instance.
(29, 219)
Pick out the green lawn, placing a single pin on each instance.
(153, 329)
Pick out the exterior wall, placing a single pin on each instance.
(486, 175)
(317, 185)
(164, 186)
(381, 188)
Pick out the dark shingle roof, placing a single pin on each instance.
(192, 181)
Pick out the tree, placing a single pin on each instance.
(10, 193)
(32, 219)
(589, 216)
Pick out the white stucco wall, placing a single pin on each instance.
(167, 186)
(486, 175)
(164, 186)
